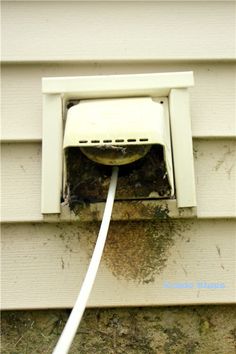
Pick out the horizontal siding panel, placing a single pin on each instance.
(213, 107)
(21, 181)
(215, 171)
(215, 177)
(43, 267)
(41, 31)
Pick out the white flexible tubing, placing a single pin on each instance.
(67, 336)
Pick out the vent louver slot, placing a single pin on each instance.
(108, 141)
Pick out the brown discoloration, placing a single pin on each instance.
(227, 160)
(225, 156)
(125, 211)
(139, 251)
(134, 251)
(162, 330)
(218, 250)
(145, 211)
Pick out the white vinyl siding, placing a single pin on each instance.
(215, 172)
(43, 264)
(213, 97)
(85, 31)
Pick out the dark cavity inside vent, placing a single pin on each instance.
(87, 181)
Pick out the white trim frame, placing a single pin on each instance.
(56, 90)
(182, 148)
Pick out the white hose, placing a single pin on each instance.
(67, 336)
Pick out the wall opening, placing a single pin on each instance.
(87, 181)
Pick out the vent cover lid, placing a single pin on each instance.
(119, 121)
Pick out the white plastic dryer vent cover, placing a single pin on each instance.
(149, 120)
(127, 121)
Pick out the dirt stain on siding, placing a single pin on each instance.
(138, 251)
(134, 251)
